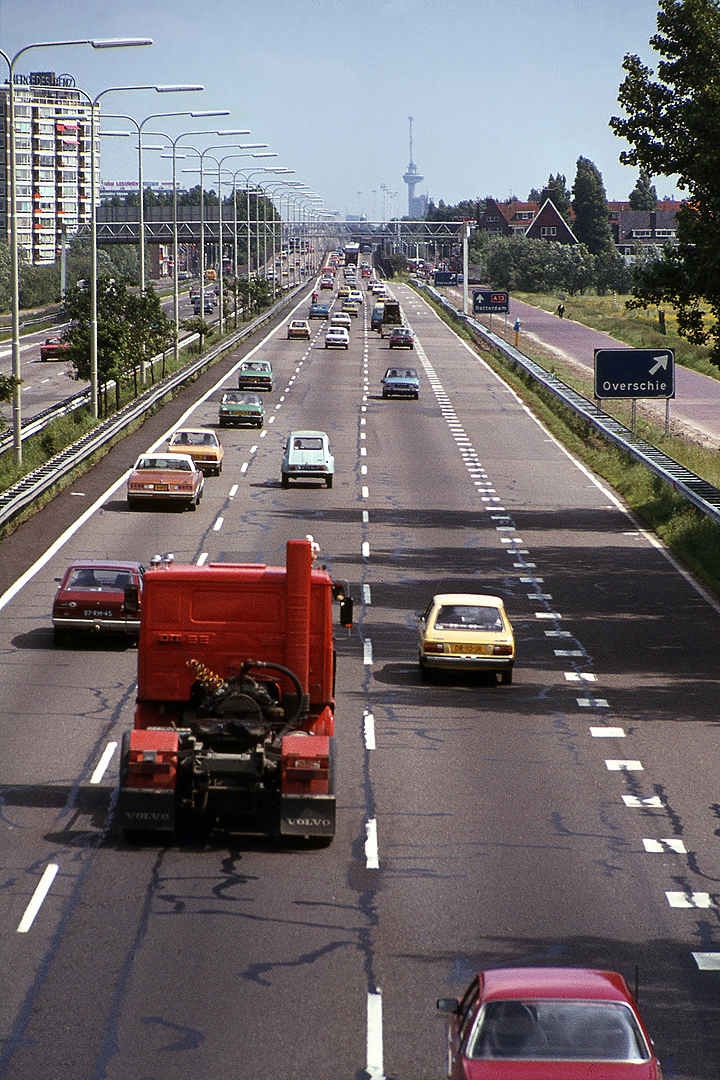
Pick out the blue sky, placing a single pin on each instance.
(502, 92)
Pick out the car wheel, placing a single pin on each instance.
(416, 396)
(60, 637)
(425, 673)
(132, 504)
(222, 423)
(285, 480)
(328, 481)
(506, 677)
(385, 393)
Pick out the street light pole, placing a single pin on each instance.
(171, 89)
(96, 43)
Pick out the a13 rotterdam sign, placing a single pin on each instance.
(634, 373)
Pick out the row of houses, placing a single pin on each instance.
(633, 231)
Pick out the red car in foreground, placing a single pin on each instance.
(548, 1024)
(98, 596)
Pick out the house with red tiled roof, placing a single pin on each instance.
(510, 218)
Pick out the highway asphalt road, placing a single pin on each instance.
(571, 818)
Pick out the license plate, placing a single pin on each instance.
(88, 614)
(460, 647)
(161, 487)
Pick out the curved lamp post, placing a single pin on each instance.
(96, 43)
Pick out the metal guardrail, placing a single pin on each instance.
(703, 495)
(41, 480)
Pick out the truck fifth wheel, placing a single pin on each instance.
(235, 716)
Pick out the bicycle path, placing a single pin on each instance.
(695, 409)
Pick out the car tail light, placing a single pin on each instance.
(502, 650)
(433, 647)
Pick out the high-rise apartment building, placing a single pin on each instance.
(53, 162)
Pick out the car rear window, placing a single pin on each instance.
(86, 579)
(307, 444)
(559, 1031)
(468, 617)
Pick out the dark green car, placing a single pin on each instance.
(241, 409)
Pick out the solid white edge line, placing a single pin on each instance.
(39, 895)
(103, 763)
(374, 1066)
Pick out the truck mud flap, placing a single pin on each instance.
(307, 815)
(144, 810)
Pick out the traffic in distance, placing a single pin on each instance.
(432, 752)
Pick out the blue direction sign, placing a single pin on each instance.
(634, 373)
(487, 302)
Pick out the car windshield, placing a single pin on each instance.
(306, 443)
(558, 1031)
(164, 463)
(98, 579)
(468, 617)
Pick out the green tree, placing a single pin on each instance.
(556, 190)
(672, 125)
(643, 196)
(130, 328)
(592, 226)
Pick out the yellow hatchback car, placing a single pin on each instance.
(465, 632)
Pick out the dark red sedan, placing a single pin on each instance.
(548, 1024)
(98, 596)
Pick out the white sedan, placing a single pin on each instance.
(337, 336)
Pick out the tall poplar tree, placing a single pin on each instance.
(672, 125)
(592, 225)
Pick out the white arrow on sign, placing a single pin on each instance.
(660, 362)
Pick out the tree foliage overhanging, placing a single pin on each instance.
(672, 125)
